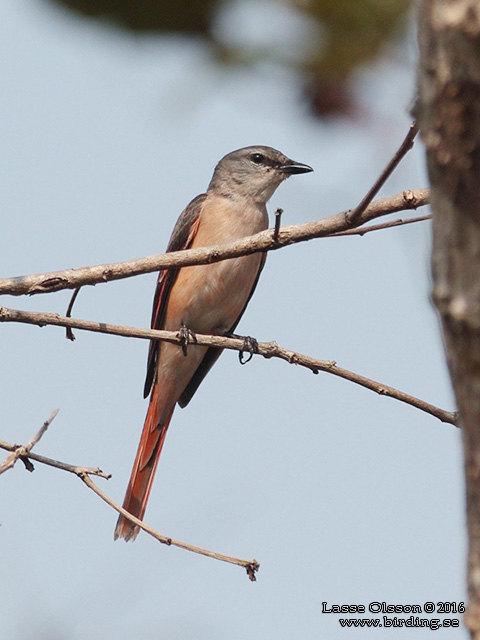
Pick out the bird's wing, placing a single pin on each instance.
(213, 353)
(181, 238)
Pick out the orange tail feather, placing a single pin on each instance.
(144, 467)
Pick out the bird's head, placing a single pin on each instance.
(253, 173)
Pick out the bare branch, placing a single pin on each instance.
(278, 218)
(266, 349)
(377, 227)
(264, 241)
(23, 451)
(404, 148)
(251, 566)
(69, 333)
(36, 438)
(63, 466)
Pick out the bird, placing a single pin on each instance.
(208, 299)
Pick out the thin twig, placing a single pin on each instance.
(377, 227)
(265, 349)
(278, 219)
(251, 566)
(73, 278)
(63, 466)
(23, 451)
(406, 145)
(69, 333)
(41, 431)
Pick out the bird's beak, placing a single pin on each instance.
(293, 168)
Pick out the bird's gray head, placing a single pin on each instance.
(253, 173)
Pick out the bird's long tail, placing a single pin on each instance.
(144, 467)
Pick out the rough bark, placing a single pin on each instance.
(449, 116)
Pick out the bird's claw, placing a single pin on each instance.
(251, 346)
(186, 336)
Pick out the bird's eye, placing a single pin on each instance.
(257, 158)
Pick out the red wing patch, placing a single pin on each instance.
(188, 221)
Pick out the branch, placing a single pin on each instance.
(377, 227)
(403, 149)
(264, 241)
(251, 566)
(23, 452)
(84, 473)
(265, 349)
(63, 466)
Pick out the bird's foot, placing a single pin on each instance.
(186, 336)
(250, 345)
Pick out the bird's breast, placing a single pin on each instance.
(210, 298)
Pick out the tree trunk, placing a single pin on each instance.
(449, 117)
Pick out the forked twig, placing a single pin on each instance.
(57, 464)
(23, 452)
